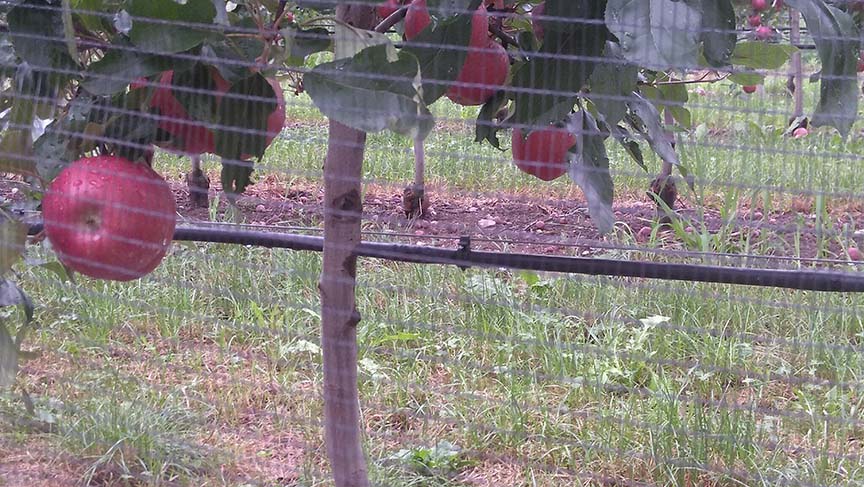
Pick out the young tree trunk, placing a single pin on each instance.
(664, 184)
(414, 200)
(796, 69)
(198, 185)
(339, 315)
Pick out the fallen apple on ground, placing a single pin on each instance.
(109, 218)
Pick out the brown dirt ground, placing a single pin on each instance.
(523, 223)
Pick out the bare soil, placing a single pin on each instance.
(558, 225)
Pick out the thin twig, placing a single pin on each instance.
(505, 37)
(392, 20)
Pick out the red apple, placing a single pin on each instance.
(800, 132)
(755, 20)
(763, 32)
(854, 253)
(537, 24)
(417, 18)
(759, 5)
(484, 73)
(543, 153)
(387, 8)
(749, 89)
(194, 138)
(486, 65)
(109, 218)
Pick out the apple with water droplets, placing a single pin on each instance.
(109, 218)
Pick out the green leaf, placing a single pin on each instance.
(34, 27)
(718, 32)
(242, 118)
(8, 358)
(300, 43)
(486, 128)
(348, 41)
(630, 145)
(196, 91)
(236, 175)
(113, 73)
(8, 58)
(16, 146)
(590, 170)
(165, 26)
(612, 82)
(681, 114)
(12, 295)
(93, 23)
(546, 87)
(836, 37)
(645, 119)
(69, 30)
(657, 34)
(747, 79)
(13, 236)
(762, 55)
(440, 55)
(371, 92)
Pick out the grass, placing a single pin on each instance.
(208, 372)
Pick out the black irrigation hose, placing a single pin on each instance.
(464, 257)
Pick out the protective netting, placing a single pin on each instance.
(604, 242)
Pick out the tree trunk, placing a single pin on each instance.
(796, 70)
(198, 185)
(663, 186)
(339, 315)
(414, 200)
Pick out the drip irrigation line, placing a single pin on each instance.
(464, 257)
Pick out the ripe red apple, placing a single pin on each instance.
(759, 5)
(800, 132)
(387, 8)
(854, 253)
(537, 24)
(193, 137)
(109, 218)
(763, 32)
(486, 65)
(755, 20)
(543, 153)
(484, 73)
(417, 18)
(749, 89)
